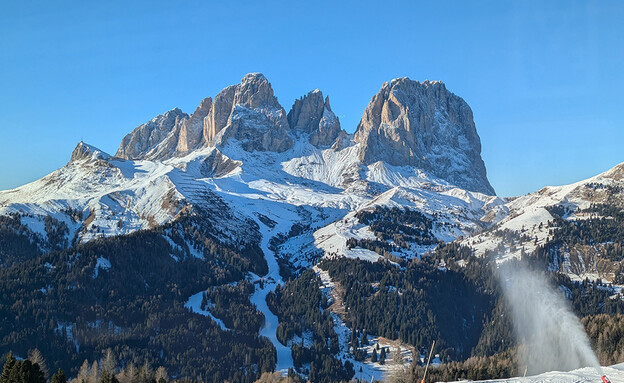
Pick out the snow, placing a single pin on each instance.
(319, 189)
(194, 305)
(102, 263)
(582, 375)
(527, 215)
(266, 285)
(319, 186)
(35, 224)
(332, 239)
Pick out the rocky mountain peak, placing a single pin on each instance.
(250, 113)
(255, 91)
(313, 115)
(409, 123)
(84, 151)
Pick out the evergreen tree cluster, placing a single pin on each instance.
(416, 304)
(231, 304)
(302, 309)
(21, 371)
(17, 242)
(499, 366)
(607, 336)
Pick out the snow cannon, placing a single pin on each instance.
(605, 380)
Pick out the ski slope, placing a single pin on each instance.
(582, 375)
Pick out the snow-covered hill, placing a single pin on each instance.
(96, 195)
(530, 216)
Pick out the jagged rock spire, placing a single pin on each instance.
(313, 115)
(250, 113)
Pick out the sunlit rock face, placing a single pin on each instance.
(423, 125)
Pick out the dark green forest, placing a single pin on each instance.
(55, 302)
(61, 298)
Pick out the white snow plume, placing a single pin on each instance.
(551, 336)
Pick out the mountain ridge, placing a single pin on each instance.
(400, 127)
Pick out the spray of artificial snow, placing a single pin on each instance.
(552, 337)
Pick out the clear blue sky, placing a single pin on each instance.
(545, 79)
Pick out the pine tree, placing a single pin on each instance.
(131, 374)
(8, 366)
(36, 357)
(59, 377)
(374, 355)
(26, 372)
(364, 338)
(161, 375)
(94, 373)
(109, 364)
(83, 373)
(146, 372)
(382, 356)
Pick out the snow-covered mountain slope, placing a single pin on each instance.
(453, 212)
(530, 216)
(97, 195)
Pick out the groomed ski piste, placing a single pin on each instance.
(268, 284)
(583, 375)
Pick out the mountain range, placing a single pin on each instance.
(286, 193)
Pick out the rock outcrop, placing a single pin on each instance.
(423, 125)
(155, 139)
(216, 165)
(407, 123)
(248, 112)
(313, 115)
(84, 151)
(191, 132)
(219, 114)
(256, 118)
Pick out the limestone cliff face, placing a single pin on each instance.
(409, 123)
(192, 129)
(154, 139)
(313, 115)
(248, 112)
(219, 114)
(255, 117)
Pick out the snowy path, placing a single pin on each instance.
(271, 280)
(194, 304)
